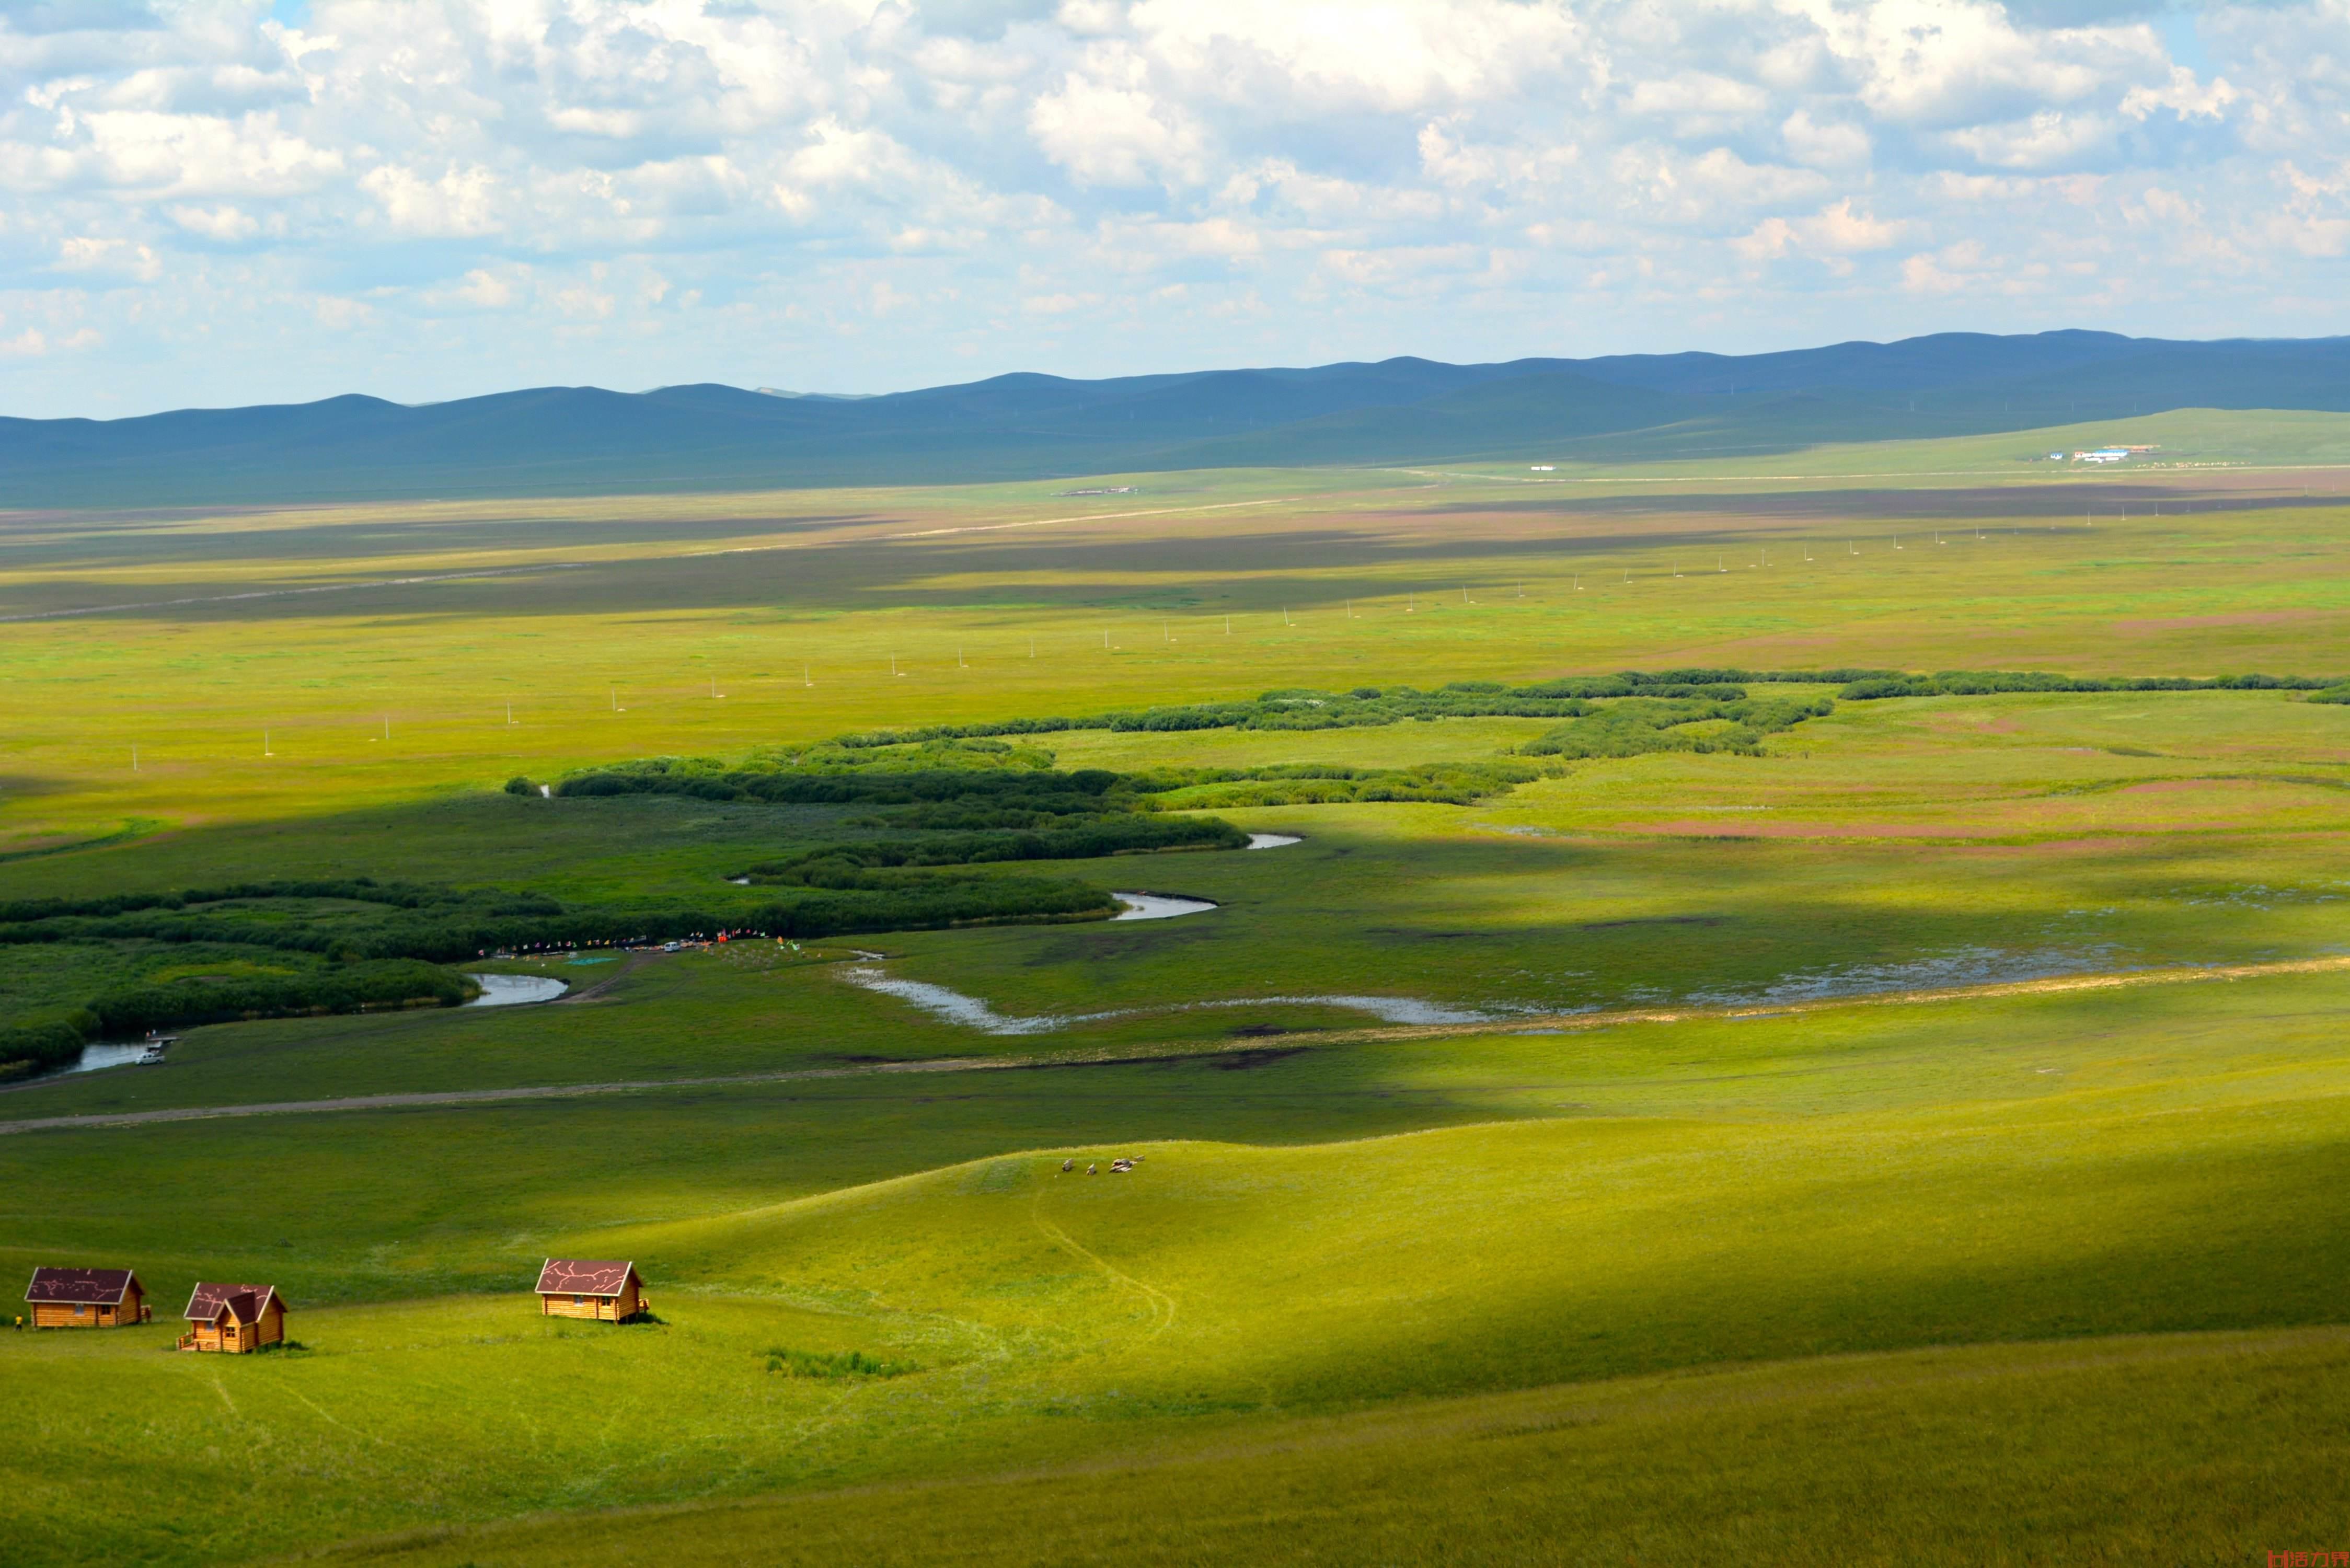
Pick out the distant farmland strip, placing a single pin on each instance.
(289, 593)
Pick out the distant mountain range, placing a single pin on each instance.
(1633, 406)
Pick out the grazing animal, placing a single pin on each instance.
(1091, 1172)
(1116, 1166)
(1067, 1166)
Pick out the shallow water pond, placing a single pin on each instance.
(513, 990)
(94, 1058)
(1156, 907)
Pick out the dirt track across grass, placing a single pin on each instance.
(589, 993)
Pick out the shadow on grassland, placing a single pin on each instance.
(1304, 567)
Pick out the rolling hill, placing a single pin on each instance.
(585, 440)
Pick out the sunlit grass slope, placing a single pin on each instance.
(2177, 1450)
(432, 1199)
(2036, 1169)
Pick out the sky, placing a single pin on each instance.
(212, 202)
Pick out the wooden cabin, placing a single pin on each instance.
(580, 1287)
(233, 1318)
(87, 1298)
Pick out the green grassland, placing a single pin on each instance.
(1934, 1458)
(2184, 439)
(1891, 844)
(1655, 1197)
(614, 623)
(1838, 1249)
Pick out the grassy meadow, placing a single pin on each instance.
(282, 663)
(1579, 1209)
(1686, 1153)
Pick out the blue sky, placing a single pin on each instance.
(217, 202)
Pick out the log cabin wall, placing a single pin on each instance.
(226, 1338)
(85, 1314)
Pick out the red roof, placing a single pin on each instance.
(246, 1303)
(102, 1287)
(584, 1277)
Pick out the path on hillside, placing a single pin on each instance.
(1552, 1022)
(629, 965)
(427, 1097)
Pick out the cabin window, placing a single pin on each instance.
(579, 1301)
(82, 1311)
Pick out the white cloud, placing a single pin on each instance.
(1948, 64)
(486, 290)
(222, 223)
(2183, 96)
(157, 153)
(480, 192)
(1699, 104)
(1383, 57)
(339, 314)
(85, 252)
(2049, 140)
(1824, 146)
(1117, 133)
(460, 202)
(1059, 303)
(1834, 234)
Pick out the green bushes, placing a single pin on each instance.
(36, 1047)
(1089, 840)
(436, 923)
(1451, 783)
(1370, 706)
(1078, 790)
(1564, 698)
(357, 890)
(1636, 726)
(347, 988)
(834, 1364)
(398, 963)
(1983, 682)
(855, 899)
(131, 1011)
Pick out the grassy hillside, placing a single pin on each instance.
(1941, 1456)
(2009, 1172)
